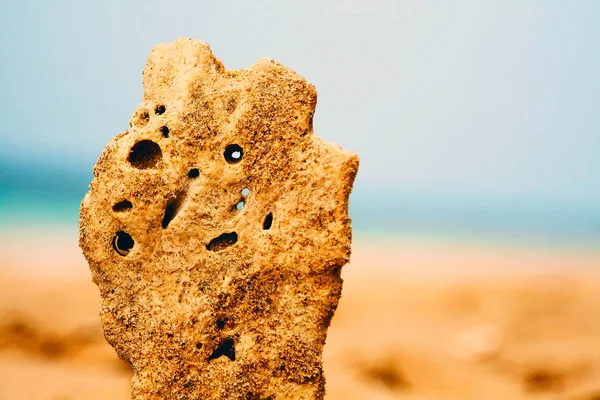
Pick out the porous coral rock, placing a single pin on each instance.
(216, 228)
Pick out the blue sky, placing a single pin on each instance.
(495, 99)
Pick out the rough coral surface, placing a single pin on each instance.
(216, 228)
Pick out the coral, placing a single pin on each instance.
(216, 228)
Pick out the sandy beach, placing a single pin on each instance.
(417, 320)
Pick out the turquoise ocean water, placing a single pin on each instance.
(46, 197)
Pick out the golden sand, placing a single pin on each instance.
(416, 321)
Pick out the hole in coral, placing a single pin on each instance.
(233, 153)
(145, 154)
(194, 173)
(123, 243)
(245, 192)
(121, 206)
(170, 212)
(239, 205)
(337, 272)
(231, 104)
(198, 345)
(268, 222)
(164, 130)
(221, 323)
(173, 207)
(226, 348)
(140, 118)
(222, 242)
(160, 109)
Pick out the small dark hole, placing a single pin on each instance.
(172, 208)
(233, 153)
(268, 221)
(194, 173)
(226, 348)
(145, 154)
(221, 323)
(122, 206)
(164, 130)
(141, 118)
(160, 109)
(222, 242)
(123, 243)
(170, 212)
(198, 345)
(231, 104)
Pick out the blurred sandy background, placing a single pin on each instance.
(416, 321)
(475, 271)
